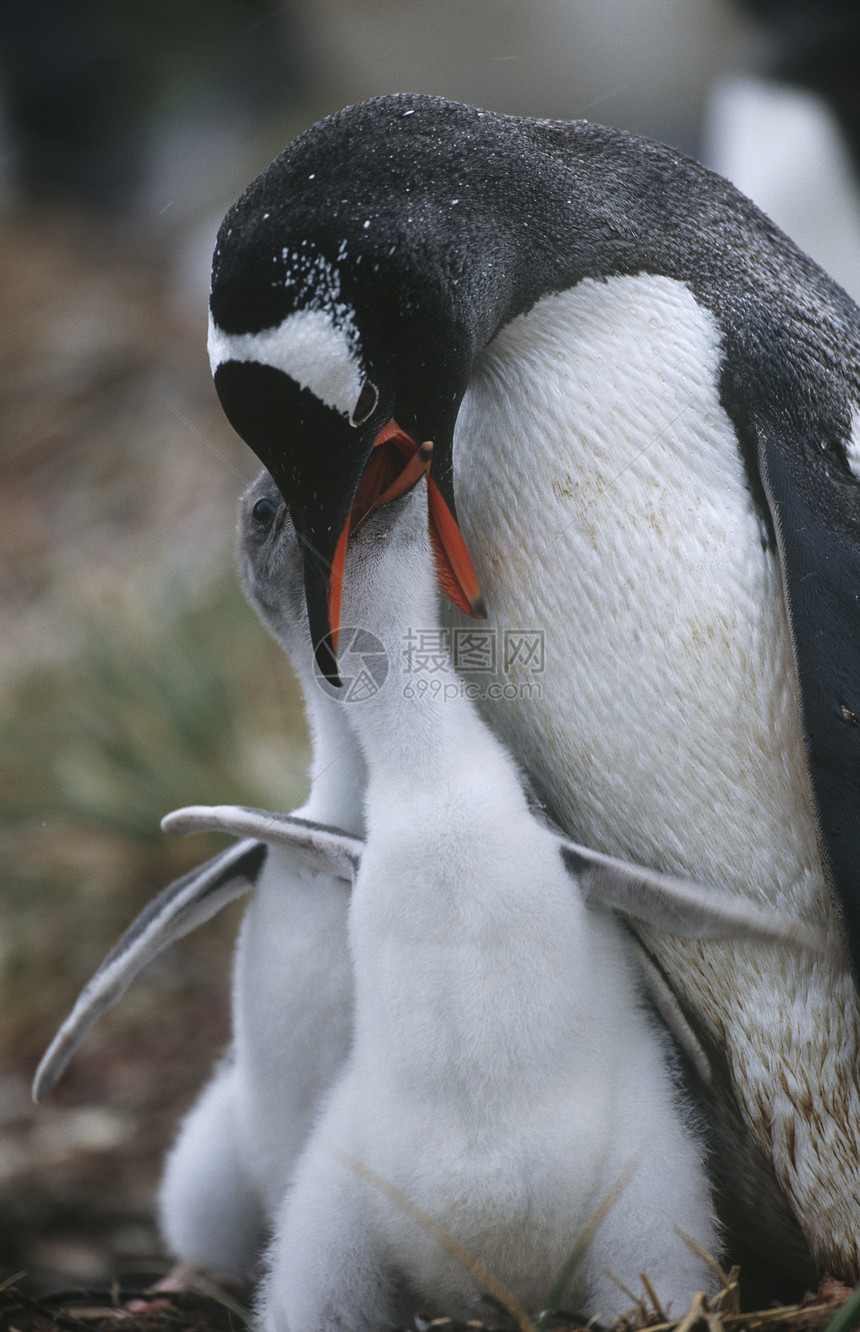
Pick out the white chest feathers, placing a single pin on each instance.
(602, 491)
(597, 463)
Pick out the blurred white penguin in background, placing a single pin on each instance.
(787, 131)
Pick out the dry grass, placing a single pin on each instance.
(101, 1311)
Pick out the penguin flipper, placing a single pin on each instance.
(679, 906)
(666, 1003)
(815, 504)
(325, 848)
(177, 910)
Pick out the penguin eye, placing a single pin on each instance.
(366, 405)
(263, 511)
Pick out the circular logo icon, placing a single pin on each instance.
(362, 664)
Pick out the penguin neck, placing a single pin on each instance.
(414, 737)
(338, 772)
(418, 730)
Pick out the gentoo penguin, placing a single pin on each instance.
(643, 405)
(504, 1083)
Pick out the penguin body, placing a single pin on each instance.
(504, 1080)
(643, 403)
(292, 983)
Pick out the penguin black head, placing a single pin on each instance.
(343, 330)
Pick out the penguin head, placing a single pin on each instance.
(271, 565)
(342, 333)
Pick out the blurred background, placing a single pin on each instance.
(133, 677)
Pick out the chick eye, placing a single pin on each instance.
(263, 511)
(366, 405)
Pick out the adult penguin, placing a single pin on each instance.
(642, 400)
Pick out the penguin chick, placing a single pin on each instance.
(503, 1079)
(657, 900)
(236, 1146)
(292, 984)
(660, 901)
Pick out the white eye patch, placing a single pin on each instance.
(309, 346)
